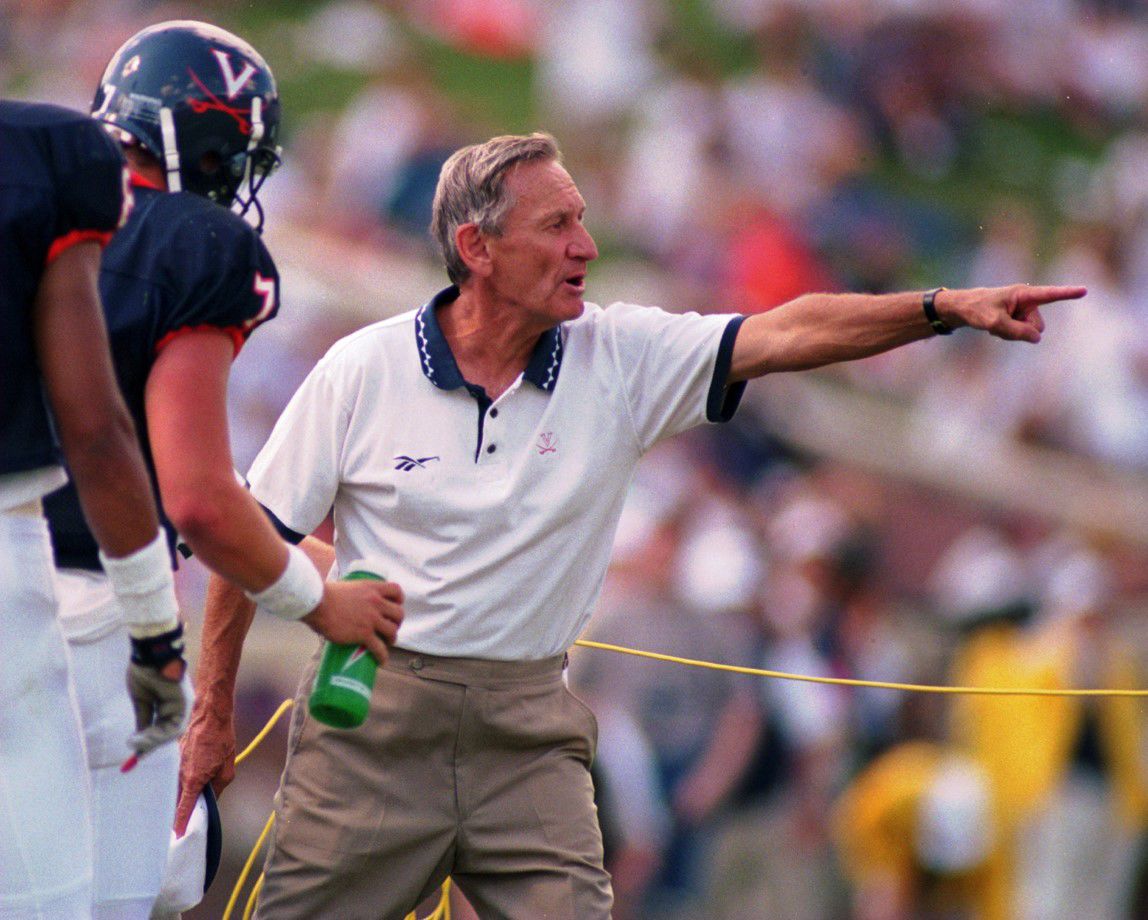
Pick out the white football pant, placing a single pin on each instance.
(45, 803)
(132, 812)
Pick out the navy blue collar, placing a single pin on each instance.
(441, 369)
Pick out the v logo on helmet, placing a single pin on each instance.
(234, 83)
(214, 103)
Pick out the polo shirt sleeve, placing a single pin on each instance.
(296, 474)
(672, 367)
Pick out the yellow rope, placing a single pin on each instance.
(255, 742)
(247, 866)
(442, 911)
(253, 897)
(848, 682)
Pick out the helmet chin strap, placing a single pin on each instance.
(170, 150)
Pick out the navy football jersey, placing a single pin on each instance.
(62, 180)
(180, 263)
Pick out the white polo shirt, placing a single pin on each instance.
(496, 518)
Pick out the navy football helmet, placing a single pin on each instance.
(201, 100)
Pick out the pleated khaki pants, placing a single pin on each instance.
(477, 770)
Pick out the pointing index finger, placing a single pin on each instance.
(1048, 293)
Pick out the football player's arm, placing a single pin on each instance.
(186, 401)
(817, 329)
(103, 454)
(94, 426)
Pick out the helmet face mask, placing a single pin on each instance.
(202, 101)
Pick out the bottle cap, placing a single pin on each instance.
(362, 569)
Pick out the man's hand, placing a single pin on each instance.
(363, 612)
(1011, 313)
(158, 693)
(207, 755)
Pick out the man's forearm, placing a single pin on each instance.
(818, 329)
(227, 618)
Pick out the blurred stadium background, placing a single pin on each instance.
(958, 511)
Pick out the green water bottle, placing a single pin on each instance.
(341, 695)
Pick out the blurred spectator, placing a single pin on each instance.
(494, 28)
(1008, 245)
(1108, 69)
(634, 816)
(1093, 366)
(775, 854)
(387, 148)
(666, 170)
(1079, 847)
(768, 261)
(915, 831)
(917, 106)
(598, 79)
(789, 142)
(350, 35)
(980, 586)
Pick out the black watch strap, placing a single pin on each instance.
(927, 302)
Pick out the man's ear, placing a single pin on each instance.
(472, 248)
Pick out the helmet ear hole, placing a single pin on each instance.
(210, 163)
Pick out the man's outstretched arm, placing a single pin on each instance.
(818, 329)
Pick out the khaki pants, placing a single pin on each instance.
(478, 770)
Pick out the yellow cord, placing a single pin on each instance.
(247, 867)
(255, 742)
(255, 889)
(283, 707)
(848, 682)
(442, 912)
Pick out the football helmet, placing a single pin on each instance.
(201, 100)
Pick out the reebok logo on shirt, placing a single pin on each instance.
(406, 464)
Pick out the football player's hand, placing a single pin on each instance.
(207, 755)
(158, 691)
(361, 612)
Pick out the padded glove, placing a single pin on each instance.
(155, 683)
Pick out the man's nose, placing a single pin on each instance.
(583, 246)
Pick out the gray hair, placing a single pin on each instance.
(472, 190)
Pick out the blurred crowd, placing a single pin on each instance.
(739, 796)
(733, 154)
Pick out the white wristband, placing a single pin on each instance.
(296, 592)
(145, 588)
